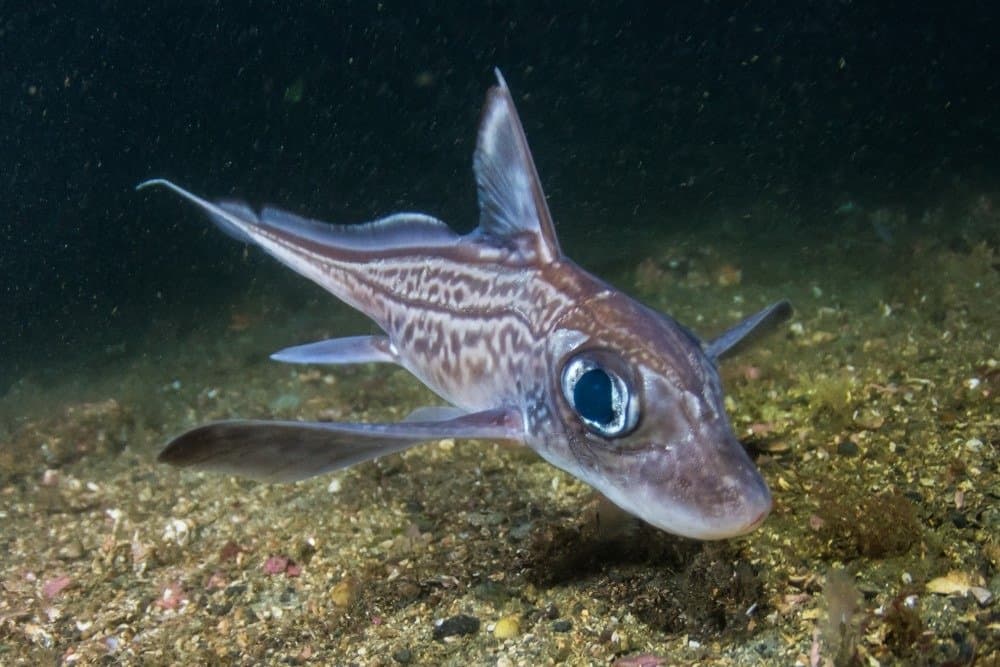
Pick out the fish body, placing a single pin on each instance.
(521, 342)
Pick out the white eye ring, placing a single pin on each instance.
(604, 402)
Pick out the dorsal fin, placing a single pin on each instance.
(512, 207)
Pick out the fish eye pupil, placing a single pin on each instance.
(592, 396)
(599, 395)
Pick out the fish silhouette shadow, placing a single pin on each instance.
(671, 583)
(563, 554)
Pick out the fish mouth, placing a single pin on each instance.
(745, 512)
(757, 509)
(759, 520)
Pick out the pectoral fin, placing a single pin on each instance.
(273, 451)
(435, 413)
(741, 336)
(350, 350)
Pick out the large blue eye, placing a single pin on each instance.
(592, 397)
(601, 398)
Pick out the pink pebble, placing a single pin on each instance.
(54, 587)
(275, 564)
(644, 660)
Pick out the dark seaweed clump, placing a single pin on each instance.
(904, 634)
(857, 525)
(712, 595)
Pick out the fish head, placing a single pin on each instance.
(640, 417)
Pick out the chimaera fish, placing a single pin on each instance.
(523, 343)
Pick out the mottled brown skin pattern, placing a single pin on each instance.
(478, 329)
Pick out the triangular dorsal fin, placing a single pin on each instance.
(512, 207)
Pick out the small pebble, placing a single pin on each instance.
(983, 595)
(463, 624)
(408, 590)
(522, 530)
(847, 448)
(72, 551)
(276, 564)
(402, 655)
(177, 531)
(343, 593)
(507, 627)
(54, 587)
(562, 625)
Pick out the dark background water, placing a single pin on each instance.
(638, 114)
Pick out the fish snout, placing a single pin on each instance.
(734, 499)
(707, 491)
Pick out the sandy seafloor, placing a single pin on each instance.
(873, 415)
